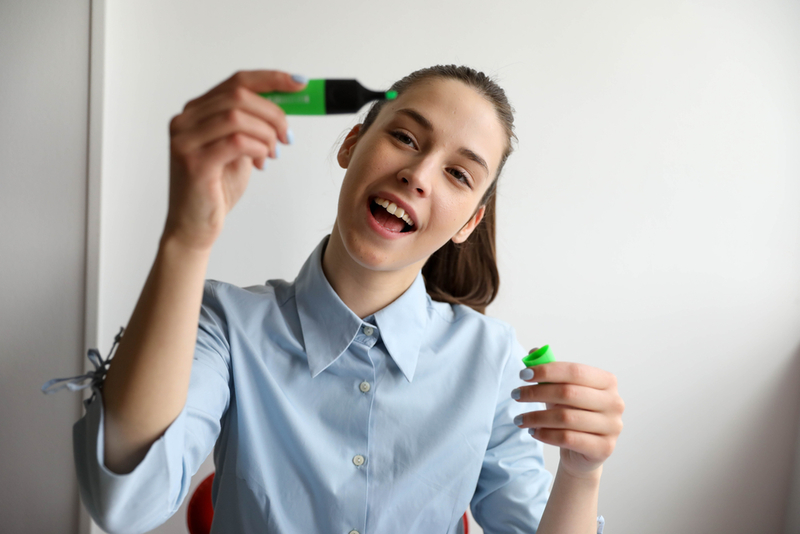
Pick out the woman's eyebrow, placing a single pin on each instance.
(474, 157)
(417, 117)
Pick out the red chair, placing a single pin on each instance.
(200, 512)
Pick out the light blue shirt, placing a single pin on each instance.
(322, 422)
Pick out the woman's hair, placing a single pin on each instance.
(464, 273)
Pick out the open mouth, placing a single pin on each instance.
(390, 216)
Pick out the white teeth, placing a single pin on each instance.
(392, 208)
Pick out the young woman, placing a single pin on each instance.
(365, 396)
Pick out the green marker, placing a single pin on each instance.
(327, 97)
(538, 357)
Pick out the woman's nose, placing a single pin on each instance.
(419, 190)
(417, 177)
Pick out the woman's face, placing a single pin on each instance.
(432, 152)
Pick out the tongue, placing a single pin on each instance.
(388, 221)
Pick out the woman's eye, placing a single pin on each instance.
(403, 138)
(460, 176)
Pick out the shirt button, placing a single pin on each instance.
(354, 532)
(368, 330)
(364, 386)
(358, 460)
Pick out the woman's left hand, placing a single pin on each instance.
(583, 415)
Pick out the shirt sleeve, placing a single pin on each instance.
(146, 497)
(513, 486)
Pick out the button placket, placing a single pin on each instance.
(355, 368)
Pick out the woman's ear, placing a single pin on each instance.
(467, 229)
(348, 145)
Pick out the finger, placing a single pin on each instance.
(573, 373)
(592, 446)
(231, 148)
(571, 419)
(223, 125)
(236, 98)
(260, 81)
(571, 395)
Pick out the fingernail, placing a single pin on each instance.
(526, 374)
(277, 151)
(518, 420)
(516, 394)
(532, 431)
(290, 136)
(299, 78)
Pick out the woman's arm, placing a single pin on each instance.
(215, 142)
(583, 418)
(572, 506)
(146, 385)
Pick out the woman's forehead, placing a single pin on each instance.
(448, 95)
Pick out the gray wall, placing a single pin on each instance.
(648, 223)
(44, 77)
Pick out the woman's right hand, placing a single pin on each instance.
(214, 144)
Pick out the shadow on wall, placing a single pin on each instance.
(769, 450)
(792, 525)
(774, 446)
(752, 475)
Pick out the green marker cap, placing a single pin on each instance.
(391, 95)
(538, 357)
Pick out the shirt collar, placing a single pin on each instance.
(402, 325)
(329, 326)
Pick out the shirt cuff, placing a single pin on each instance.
(137, 501)
(601, 522)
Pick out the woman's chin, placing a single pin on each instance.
(373, 253)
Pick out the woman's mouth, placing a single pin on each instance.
(390, 216)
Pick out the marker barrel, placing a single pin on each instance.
(327, 97)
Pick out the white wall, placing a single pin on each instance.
(44, 79)
(648, 224)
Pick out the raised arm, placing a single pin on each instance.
(215, 142)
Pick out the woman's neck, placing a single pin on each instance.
(363, 290)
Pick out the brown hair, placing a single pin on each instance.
(464, 273)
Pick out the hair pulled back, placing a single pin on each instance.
(464, 273)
